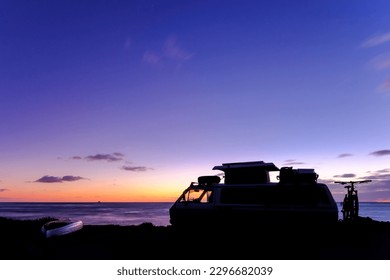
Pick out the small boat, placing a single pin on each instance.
(61, 227)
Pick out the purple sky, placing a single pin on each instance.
(141, 97)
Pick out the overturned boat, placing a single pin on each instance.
(248, 197)
(60, 227)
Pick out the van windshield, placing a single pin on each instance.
(197, 195)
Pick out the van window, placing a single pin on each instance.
(297, 196)
(197, 196)
(244, 195)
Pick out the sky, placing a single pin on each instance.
(133, 100)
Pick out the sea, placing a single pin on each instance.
(103, 213)
(132, 213)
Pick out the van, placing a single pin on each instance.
(248, 197)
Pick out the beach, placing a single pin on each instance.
(363, 239)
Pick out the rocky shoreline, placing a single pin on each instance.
(362, 239)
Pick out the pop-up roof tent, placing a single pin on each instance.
(254, 172)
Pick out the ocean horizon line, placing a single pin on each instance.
(338, 202)
(125, 213)
(87, 201)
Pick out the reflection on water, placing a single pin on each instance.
(92, 213)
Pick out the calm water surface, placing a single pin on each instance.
(92, 213)
(132, 213)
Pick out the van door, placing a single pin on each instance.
(195, 207)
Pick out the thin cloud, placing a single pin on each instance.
(385, 86)
(49, 179)
(4, 190)
(113, 157)
(380, 153)
(381, 62)
(77, 158)
(135, 168)
(103, 157)
(293, 162)
(346, 175)
(152, 58)
(381, 171)
(55, 179)
(118, 154)
(70, 178)
(344, 155)
(376, 40)
(128, 43)
(379, 175)
(171, 51)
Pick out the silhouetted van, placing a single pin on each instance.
(247, 197)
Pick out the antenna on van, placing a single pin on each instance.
(351, 201)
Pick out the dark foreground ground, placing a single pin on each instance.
(363, 239)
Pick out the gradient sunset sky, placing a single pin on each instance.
(133, 100)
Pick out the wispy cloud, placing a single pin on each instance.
(383, 174)
(344, 155)
(113, 157)
(128, 43)
(70, 178)
(54, 179)
(101, 157)
(381, 62)
(385, 86)
(386, 170)
(293, 162)
(135, 168)
(346, 175)
(152, 58)
(376, 40)
(171, 51)
(380, 153)
(4, 190)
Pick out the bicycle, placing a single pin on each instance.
(350, 204)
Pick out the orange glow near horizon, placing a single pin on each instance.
(382, 200)
(113, 197)
(155, 186)
(91, 192)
